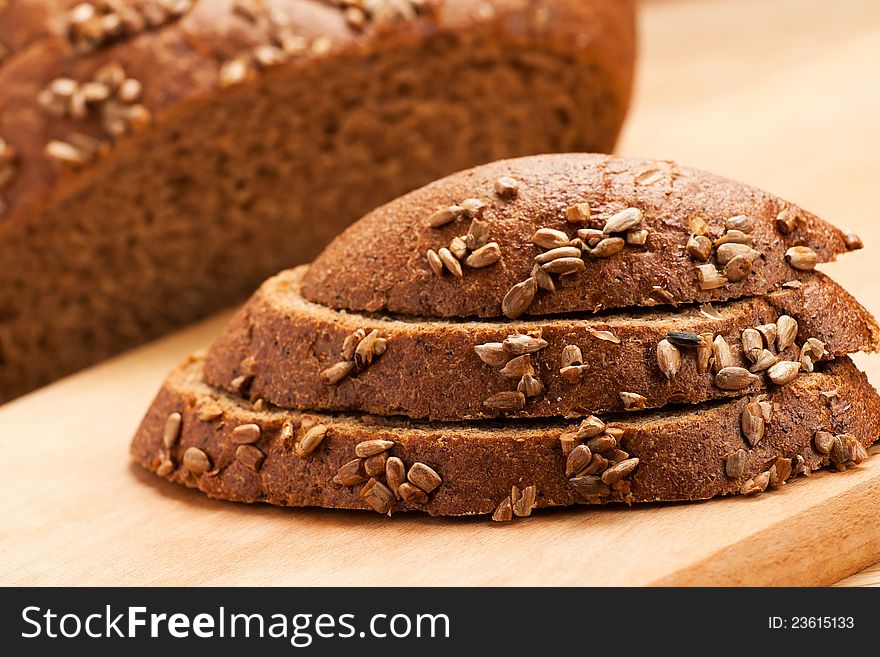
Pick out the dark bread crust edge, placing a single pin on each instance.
(430, 369)
(682, 453)
(379, 263)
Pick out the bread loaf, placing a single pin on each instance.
(160, 158)
(281, 345)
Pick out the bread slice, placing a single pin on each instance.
(234, 450)
(278, 345)
(383, 262)
(247, 135)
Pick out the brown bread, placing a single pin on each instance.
(650, 211)
(246, 135)
(430, 368)
(682, 454)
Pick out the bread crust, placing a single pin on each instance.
(682, 452)
(430, 368)
(379, 264)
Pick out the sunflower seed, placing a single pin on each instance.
(812, 351)
(723, 358)
(558, 252)
(602, 444)
(508, 400)
(395, 474)
(568, 441)
(734, 378)
(590, 486)
(786, 220)
(802, 258)
(434, 262)
(577, 460)
(241, 383)
(165, 468)
(784, 372)
(486, 255)
(591, 236)
(548, 238)
(590, 427)
(492, 353)
(798, 465)
(752, 423)
(529, 386)
(543, 279)
(564, 266)
(705, 353)
(735, 464)
(473, 207)
(477, 235)
(699, 247)
(637, 237)
(311, 440)
(350, 474)
(617, 456)
(571, 355)
(368, 448)
(246, 434)
(450, 262)
(793, 285)
(766, 410)
(843, 449)
(374, 466)
(780, 471)
(424, 477)
(519, 298)
(860, 454)
(823, 442)
(506, 187)
(518, 367)
(668, 358)
(608, 247)
(755, 485)
(445, 216)
(350, 344)
(572, 373)
(614, 432)
(209, 411)
(504, 511)
(623, 221)
(727, 252)
(249, 456)
(518, 344)
(786, 332)
(523, 506)
(633, 401)
(458, 247)
(196, 461)
(378, 496)
(709, 277)
(171, 430)
(740, 222)
(578, 214)
(619, 470)
(766, 360)
(733, 237)
(649, 177)
(596, 466)
(365, 351)
(738, 269)
(853, 242)
(606, 336)
(752, 344)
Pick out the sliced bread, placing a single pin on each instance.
(231, 449)
(563, 233)
(284, 349)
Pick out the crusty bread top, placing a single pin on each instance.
(381, 263)
(278, 347)
(181, 56)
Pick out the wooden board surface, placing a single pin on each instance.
(784, 95)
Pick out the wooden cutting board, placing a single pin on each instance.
(783, 95)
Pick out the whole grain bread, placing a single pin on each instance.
(231, 449)
(278, 346)
(160, 158)
(603, 231)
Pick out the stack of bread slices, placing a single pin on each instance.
(545, 331)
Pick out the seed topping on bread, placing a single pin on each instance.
(359, 350)
(91, 25)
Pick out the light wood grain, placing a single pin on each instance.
(781, 94)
